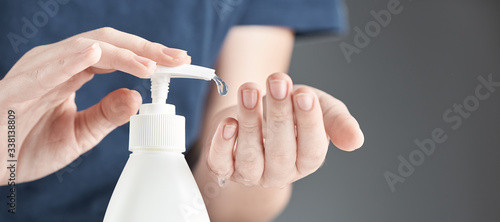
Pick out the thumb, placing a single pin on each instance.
(342, 128)
(94, 123)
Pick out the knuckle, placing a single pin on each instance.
(280, 117)
(219, 169)
(278, 123)
(64, 67)
(145, 46)
(280, 113)
(36, 49)
(61, 62)
(246, 126)
(280, 155)
(249, 168)
(35, 75)
(122, 55)
(93, 135)
(249, 160)
(149, 46)
(245, 181)
(306, 124)
(249, 175)
(105, 31)
(283, 160)
(78, 40)
(116, 51)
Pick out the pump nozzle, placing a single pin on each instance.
(160, 79)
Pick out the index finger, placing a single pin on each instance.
(140, 46)
(342, 128)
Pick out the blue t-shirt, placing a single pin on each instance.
(81, 190)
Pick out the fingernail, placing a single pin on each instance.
(175, 54)
(228, 131)
(278, 88)
(221, 181)
(249, 98)
(145, 61)
(304, 101)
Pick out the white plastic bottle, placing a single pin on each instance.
(156, 183)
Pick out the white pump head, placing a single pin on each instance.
(156, 127)
(160, 80)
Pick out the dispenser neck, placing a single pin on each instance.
(159, 88)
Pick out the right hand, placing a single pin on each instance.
(40, 89)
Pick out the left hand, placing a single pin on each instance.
(285, 141)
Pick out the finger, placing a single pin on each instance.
(94, 123)
(249, 157)
(312, 142)
(220, 155)
(155, 51)
(112, 58)
(75, 82)
(115, 58)
(280, 144)
(43, 79)
(340, 125)
(67, 88)
(45, 54)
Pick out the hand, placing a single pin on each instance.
(282, 142)
(40, 89)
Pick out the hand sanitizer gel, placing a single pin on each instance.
(156, 183)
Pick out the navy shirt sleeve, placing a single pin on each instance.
(302, 16)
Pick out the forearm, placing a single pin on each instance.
(250, 54)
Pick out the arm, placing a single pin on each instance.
(249, 54)
(263, 144)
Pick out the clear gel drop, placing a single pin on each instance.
(221, 85)
(221, 181)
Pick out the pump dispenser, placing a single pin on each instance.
(156, 183)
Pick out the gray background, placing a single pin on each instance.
(427, 59)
